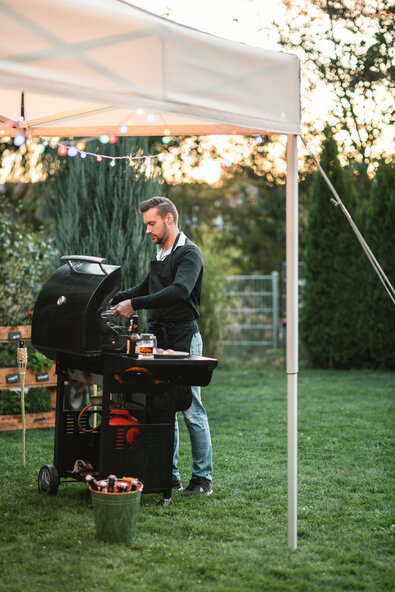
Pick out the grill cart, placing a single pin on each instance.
(128, 428)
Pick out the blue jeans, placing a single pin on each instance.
(199, 432)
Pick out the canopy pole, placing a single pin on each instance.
(292, 268)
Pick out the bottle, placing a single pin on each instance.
(131, 483)
(112, 484)
(121, 487)
(92, 482)
(133, 337)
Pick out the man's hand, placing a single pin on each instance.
(123, 309)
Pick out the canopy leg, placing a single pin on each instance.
(292, 332)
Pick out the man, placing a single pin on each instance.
(171, 291)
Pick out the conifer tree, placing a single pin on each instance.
(379, 311)
(96, 207)
(328, 316)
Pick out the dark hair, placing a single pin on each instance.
(164, 206)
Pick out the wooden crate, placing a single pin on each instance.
(25, 332)
(46, 378)
(10, 378)
(32, 421)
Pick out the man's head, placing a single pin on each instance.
(163, 207)
(161, 218)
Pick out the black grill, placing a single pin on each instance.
(69, 327)
(68, 312)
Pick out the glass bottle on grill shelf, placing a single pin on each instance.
(132, 345)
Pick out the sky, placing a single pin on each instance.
(246, 21)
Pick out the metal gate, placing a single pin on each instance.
(252, 310)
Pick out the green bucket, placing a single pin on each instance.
(116, 514)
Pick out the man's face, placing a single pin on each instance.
(157, 227)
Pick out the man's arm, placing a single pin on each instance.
(121, 302)
(139, 290)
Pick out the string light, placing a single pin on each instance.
(19, 140)
(104, 139)
(112, 139)
(72, 149)
(123, 129)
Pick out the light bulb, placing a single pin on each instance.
(19, 140)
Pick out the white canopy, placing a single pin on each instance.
(87, 66)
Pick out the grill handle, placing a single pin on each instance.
(70, 258)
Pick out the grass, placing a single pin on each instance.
(235, 539)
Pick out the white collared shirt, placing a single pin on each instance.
(161, 256)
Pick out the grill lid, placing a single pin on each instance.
(67, 313)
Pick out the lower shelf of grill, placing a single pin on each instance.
(134, 450)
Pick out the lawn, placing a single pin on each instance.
(235, 539)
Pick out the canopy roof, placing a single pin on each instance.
(87, 66)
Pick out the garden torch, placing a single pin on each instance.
(22, 361)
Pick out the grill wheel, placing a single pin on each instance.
(48, 480)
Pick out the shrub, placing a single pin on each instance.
(26, 261)
(37, 400)
(213, 303)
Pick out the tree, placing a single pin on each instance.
(329, 314)
(349, 46)
(247, 215)
(95, 206)
(378, 318)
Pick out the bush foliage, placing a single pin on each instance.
(346, 313)
(26, 260)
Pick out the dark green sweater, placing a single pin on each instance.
(179, 301)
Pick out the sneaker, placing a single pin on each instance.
(198, 486)
(176, 484)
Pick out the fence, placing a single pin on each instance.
(253, 312)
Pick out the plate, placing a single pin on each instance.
(174, 354)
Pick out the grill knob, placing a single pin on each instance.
(61, 300)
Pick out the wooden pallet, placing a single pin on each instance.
(32, 421)
(15, 334)
(10, 378)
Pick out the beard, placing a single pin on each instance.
(161, 237)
